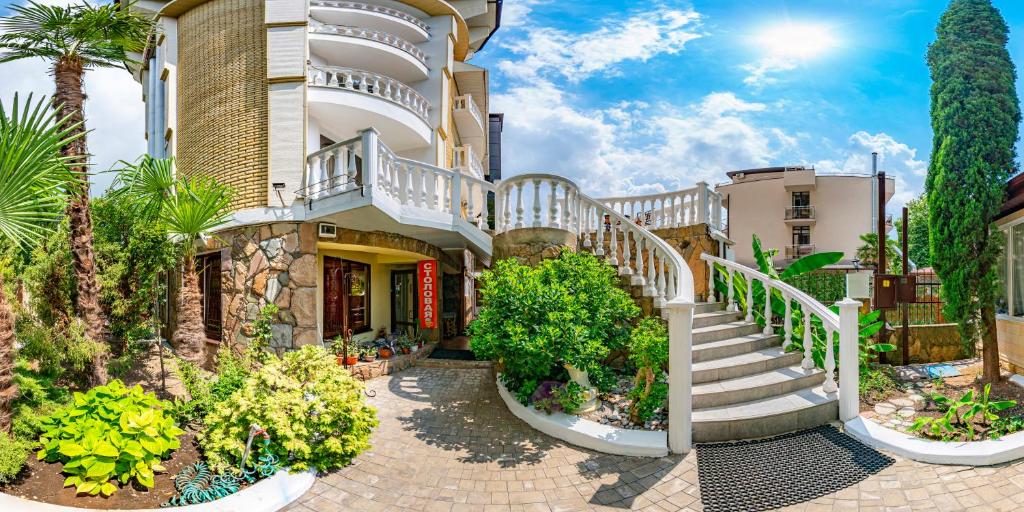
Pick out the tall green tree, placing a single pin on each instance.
(74, 39)
(867, 253)
(33, 176)
(918, 248)
(975, 113)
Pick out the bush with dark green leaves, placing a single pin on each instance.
(533, 320)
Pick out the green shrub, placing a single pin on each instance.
(110, 432)
(38, 397)
(312, 409)
(648, 344)
(13, 454)
(564, 311)
(643, 406)
(206, 391)
(61, 349)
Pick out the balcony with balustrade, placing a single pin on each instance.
(466, 160)
(799, 215)
(402, 24)
(344, 100)
(470, 122)
(368, 48)
(798, 251)
(364, 185)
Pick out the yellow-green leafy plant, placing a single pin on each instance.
(312, 409)
(110, 433)
(648, 350)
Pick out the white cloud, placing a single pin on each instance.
(546, 51)
(515, 13)
(761, 71)
(895, 158)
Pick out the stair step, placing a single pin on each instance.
(708, 307)
(805, 408)
(732, 346)
(755, 387)
(740, 365)
(714, 318)
(723, 331)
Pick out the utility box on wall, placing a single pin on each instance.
(886, 286)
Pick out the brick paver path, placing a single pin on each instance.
(446, 442)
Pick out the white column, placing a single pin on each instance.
(680, 377)
(731, 294)
(768, 330)
(711, 281)
(750, 299)
(519, 204)
(536, 203)
(808, 362)
(787, 322)
(849, 376)
(702, 203)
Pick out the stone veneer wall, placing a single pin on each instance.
(222, 97)
(270, 264)
(928, 344)
(530, 246)
(691, 242)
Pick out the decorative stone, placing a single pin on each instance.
(307, 237)
(264, 232)
(284, 299)
(303, 271)
(282, 228)
(272, 247)
(286, 316)
(257, 264)
(885, 409)
(919, 401)
(281, 336)
(290, 242)
(906, 412)
(304, 337)
(259, 284)
(273, 288)
(902, 402)
(304, 306)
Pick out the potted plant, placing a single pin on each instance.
(369, 353)
(405, 345)
(386, 352)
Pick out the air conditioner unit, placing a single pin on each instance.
(328, 230)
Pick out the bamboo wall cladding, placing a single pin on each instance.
(222, 97)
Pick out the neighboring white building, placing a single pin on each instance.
(799, 211)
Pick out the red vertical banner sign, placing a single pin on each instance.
(426, 272)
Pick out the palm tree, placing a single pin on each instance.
(33, 178)
(197, 206)
(74, 39)
(868, 253)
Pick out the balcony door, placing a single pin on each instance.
(801, 235)
(346, 297)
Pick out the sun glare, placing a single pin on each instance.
(796, 40)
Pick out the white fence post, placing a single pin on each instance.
(849, 365)
(702, 203)
(680, 377)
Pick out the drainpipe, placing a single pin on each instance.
(874, 192)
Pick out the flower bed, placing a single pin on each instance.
(614, 409)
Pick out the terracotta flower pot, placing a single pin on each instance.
(386, 353)
(352, 360)
(369, 359)
(406, 350)
(341, 359)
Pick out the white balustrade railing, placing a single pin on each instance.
(465, 102)
(379, 9)
(844, 324)
(370, 83)
(371, 35)
(466, 160)
(688, 207)
(367, 163)
(333, 169)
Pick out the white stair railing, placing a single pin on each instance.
(548, 201)
(688, 207)
(845, 325)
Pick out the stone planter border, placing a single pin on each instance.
(971, 453)
(268, 495)
(589, 434)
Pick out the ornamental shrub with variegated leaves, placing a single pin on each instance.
(312, 409)
(109, 434)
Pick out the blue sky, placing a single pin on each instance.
(626, 96)
(647, 95)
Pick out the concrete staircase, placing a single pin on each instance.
(746, 386)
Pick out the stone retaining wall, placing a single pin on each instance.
(934, 343)
(532, 245)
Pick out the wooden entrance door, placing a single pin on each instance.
(346, 297)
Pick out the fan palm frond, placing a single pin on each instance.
(146, 185)
(33, 174)
(198, 206)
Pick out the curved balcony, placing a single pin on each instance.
(343, 98)
(367, 48)
(377, 17)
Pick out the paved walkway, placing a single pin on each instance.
(447, 443)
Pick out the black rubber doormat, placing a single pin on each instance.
(457, 355)
(770, 473)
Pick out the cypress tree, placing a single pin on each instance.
(974, 114)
